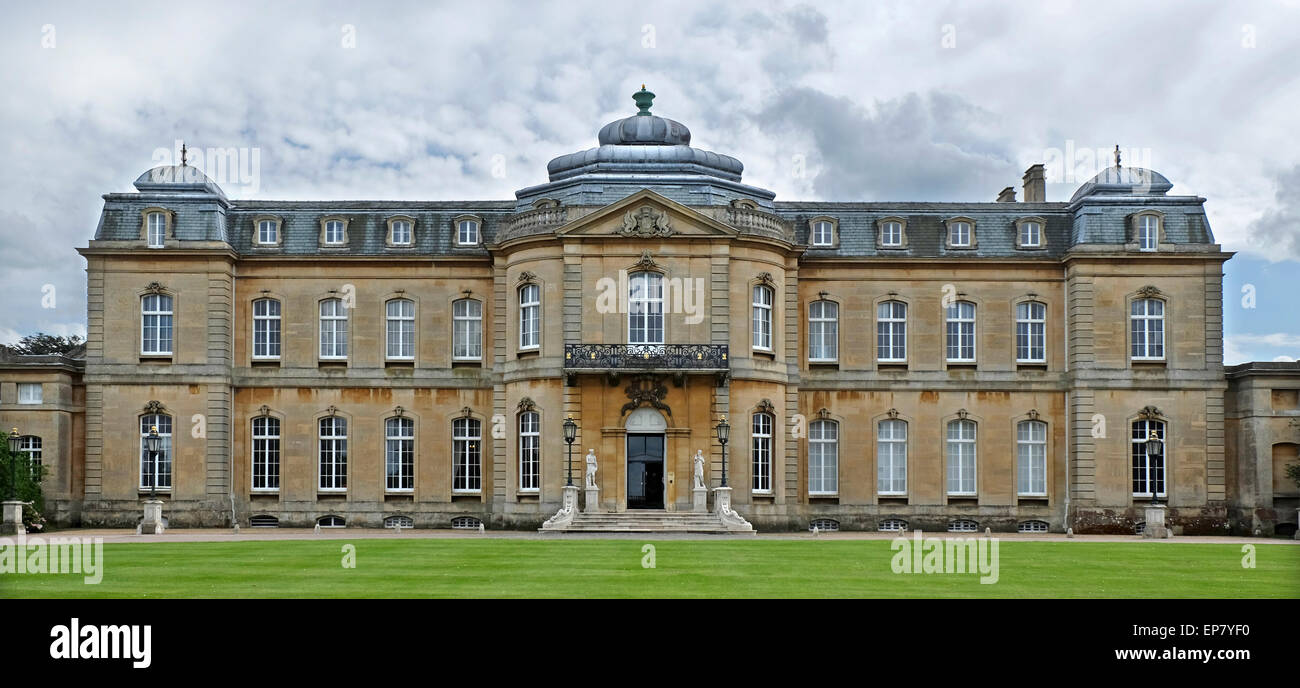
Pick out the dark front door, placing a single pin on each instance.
(645, 471)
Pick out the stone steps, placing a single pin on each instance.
(640, 521)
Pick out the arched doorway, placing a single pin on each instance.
(645, 459)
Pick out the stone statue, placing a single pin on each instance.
(699, 468)
(591, 468)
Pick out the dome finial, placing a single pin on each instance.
(643, 99)
(1117, 155)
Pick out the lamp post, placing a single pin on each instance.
(1155, 450)
(724, 433)
(15, 444)
(153, 443)
(570, 433)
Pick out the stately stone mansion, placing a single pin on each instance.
(880, 365)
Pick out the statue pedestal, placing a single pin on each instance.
(592, 505)
(1155, 517)
(568, 509)
(722, 506)
(700, 500)
(152, 523)
(13, 519)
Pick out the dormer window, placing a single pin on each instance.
(467, 231)
(334, 231)
(1029, 233)
(961, 233)
(891, 232)
(266, 231)
(821, 231)
(157, 229)
(401, 231)
(1148, 232)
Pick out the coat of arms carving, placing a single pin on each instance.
(646, 222)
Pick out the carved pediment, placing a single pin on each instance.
(648, 215)
(646, 221)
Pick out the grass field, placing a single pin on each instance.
(683, 568)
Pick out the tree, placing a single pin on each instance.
(1293, 472)
(29, 485)
(41, 344)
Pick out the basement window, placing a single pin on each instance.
(331, 522)
(264, 521)
(1032, 527)
(399, 522)
(892, 525)
(465, 523)
(963, 525)
(824, 524)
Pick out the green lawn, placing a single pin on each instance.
(684, 568)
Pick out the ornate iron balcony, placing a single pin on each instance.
(666, 357)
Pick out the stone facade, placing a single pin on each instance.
(741, 273)
(1262, 419)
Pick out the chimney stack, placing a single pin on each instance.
(1008, 195)
(1035, 184)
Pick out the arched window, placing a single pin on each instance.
(530, 316)
(761, 453)
(645, 308)
(891, 332)
(334, 232)
(466, 455)
(1030, 234)
(823, 331)
(960, 331)
(157, 229)
(1147, 329)
(467, 330)
(762, 320)
(1148, 232)
(266, 453)
(961, 458)
(1031, 332)
(333, 329)
(30, 445)
(530, 451)
(467, 232)
(401, 330)
(268, 233)
(891, 234)
(401, 230)
(399, 454)
(823, 233)
(1031, 458)
(156, 471)
(333, 440)
(266, 329)
(1148, 467)
(156, 324)
(960, 234)
(891, 457)
(823, 457)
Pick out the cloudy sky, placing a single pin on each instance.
(837, 101)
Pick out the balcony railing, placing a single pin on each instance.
(667, 357)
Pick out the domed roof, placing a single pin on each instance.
(645, 144)
(1124, 181)
(177, 178)
(643, 128)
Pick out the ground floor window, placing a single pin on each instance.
(467, 457)
(1148, 468)
(156, 471)
(823, 457)
(530, 452)
(31, 446)
(399, 454)
(266, 453)
(333, 454)
(761, 450)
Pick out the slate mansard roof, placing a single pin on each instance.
(645, 151)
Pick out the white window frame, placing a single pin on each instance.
(164, 423)
(761, 322)
(335, 323)
(956, 458)
(963, 230)
(760, 451)
(334, 445)
(266, 454)
(890, 326)
(31, 393)
(267, 325)
(157, 309)
(31, 446)
(399, 329)
(399, 454)
(960, 327)
(1150, 326)
(823, 331)
(890, 464)
(331, 237)
(467, 456)
(408, 236)
(468, 232)
(467, 330)
(1142, 471)
(1030, 229)
(823, 233)
(823, 479)
(891, 234)
(1031, 332)
(530, 451)
(265, 237)
(530, 317)
(1148, 234)
(156, 229)
(645, 305)
(1031, 458)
